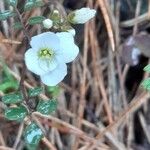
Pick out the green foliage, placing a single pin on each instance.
(6, 14)
(8, 85)
(147, 68)
(30, 4)
(12, 98)
(17, 25)
(36, 20)
(146, 84)
(8, 82)
(46, 107)
(16, 113)
(12, 2)
(32, 135)
(35, 91)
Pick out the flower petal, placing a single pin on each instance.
(48, 65)
(69, 50)
(83, 15)
(34, 65)
(47, 39)
(54, 77)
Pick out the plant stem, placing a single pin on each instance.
(27, 41)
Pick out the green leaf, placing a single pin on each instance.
(12, 98)
(30, 4)
(6, 14)
(35, 92)
(12, 2)
(16, 113)
(146, 84)
(7, 85)
(8, 82)
(17, 25)
(36, 20)
(31, 146)
(38, 3)
(46, 106)
(32, 135)
(147, 68)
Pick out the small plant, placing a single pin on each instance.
(46, 55)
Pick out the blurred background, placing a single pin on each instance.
(101, 104)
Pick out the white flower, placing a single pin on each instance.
(135, 55)
(47, 23)
(83, 15)
(49, 54)
(72, 31)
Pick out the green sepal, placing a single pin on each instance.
(12, 2)
(6, 14)
(147, 68)
(30, 4)
(16, 113)
(65, 28)
(36, 20)
(146, 84)
(35, 91)
(32, 136)
(46, 107)
(55, 17)
(70, 17)
(12, 98)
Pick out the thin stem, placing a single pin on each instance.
(27, 40)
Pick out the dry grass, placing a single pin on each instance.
(95, 111)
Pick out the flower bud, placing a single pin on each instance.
(72, 31)
(81, 16)
(55, 16)
(56, 11)
(47, 23)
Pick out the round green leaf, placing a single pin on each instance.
(146, 84)
(38, 3)
(32, 135)
(30, 4)
(147, 68)
(35, 91)
(12, 2)
(36, 20)
(12, 98)
(16, 113)
(6, 14)
(31, 146)
(47, 107)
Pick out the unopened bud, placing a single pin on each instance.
(47, 23)
(82, 15)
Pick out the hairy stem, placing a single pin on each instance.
(26, 40)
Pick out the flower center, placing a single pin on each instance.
(45, 53)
